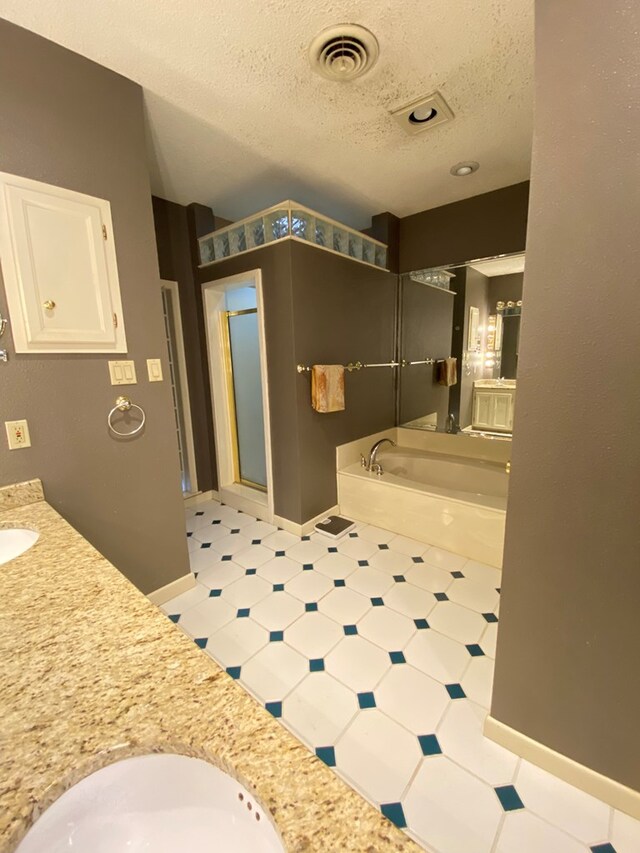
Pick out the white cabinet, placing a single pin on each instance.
(59, 268)
(493, 409)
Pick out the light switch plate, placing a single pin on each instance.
(122, 372)
(154, 368)
(17, 434)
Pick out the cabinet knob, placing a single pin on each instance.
(49, 304)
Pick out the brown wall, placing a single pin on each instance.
(489, 224)
(567, 658)
(173, 239)
(507, 288)
(72, 123)
(343, 311)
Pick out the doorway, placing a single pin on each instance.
(179, 386)
(237, 364)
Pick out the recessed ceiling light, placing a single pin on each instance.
(423, 113)
(461, 170)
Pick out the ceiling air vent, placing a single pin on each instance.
(423, 114)
(343, 52)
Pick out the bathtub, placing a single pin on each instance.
(453, 502)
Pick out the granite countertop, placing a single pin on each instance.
(93, 672)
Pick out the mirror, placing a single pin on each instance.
(471, 313)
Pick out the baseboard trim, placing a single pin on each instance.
(307, 527)
(608, 790)
(202, 497)
(176, 587)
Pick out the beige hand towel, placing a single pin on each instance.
(327, 387)
(447, 371)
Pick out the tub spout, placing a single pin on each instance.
(372, 464)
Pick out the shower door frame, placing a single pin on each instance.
(241, 495)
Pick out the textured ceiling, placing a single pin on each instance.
(237, 119)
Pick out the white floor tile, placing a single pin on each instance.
(370, 582)
(625, 836)
(258, 530)
(461, 738)
(277, 611)
(488, 575)
(561, 804)
(279, 569)
(451, 810)
(203, 558)
(444, 559)
(429, 577)
(186, 599)
(457, 622)
(280, 540)
(308, 551)
(192, 544)
(274, 671)
(253, 557)
(220, 574)
(358, 548)
(383, 772)
(309, 586)
(336, 566)
(357, 663)
(473, 594)
(237, 641)
(375, 534)
(231, 544)
(386, 628)
(523, 832)
(410, 600)
(247, 591)
(411, 547)
(391, 562)
(210, 533)
(489, 639)
(241, 520)
(319, 709)
(344, 605)
(412, 699)
(313, 634)
(477, 682)
(207, 516)
(205, 618)
(438, 656)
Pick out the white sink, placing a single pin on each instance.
(15, 541)
(155, 804)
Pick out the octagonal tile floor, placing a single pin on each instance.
(377, 652)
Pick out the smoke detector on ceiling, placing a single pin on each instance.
(422, 114)
(343, 52)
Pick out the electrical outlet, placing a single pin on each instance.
(154, 369)
(17, 434)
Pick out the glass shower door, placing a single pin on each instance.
(246, 392)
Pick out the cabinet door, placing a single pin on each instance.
(482, 409)
(502, 411)
(60, 270)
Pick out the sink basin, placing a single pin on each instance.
(15, 541)
(156, 804)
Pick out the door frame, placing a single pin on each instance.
(174, 290)
(236, 494)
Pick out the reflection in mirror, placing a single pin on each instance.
(470, 313)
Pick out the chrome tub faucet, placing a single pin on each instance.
(371, 464)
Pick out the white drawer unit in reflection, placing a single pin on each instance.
(493, 406)
(59, 267)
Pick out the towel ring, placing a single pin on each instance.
(124, 404)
